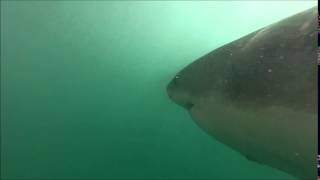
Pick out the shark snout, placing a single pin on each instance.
(179, 95)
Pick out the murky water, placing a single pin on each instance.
(83, 87)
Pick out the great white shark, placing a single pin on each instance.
(258, 94)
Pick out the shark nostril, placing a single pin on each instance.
(175, 79)
(188, 106)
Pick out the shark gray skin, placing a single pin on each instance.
(258, 94)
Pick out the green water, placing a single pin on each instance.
(83, 87)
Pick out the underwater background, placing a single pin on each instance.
(83, 87)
